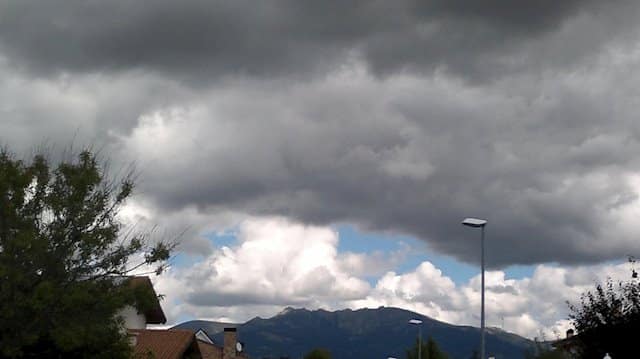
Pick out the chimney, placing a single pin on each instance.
(230, 338)
(569, 333)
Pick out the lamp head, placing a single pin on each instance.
(474, 222)
(415, 321)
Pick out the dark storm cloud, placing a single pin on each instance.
(191, 37)
(545, 150)
(518, 16)
(215, 298)
(196, 38)
(549, 169)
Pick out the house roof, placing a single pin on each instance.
(163, 344)
(209, 351)
(203, 336)
(154, 315)
(213, 351)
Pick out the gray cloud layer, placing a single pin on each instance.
(197, 38)
(397, 116)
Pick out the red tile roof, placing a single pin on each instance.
(209, 351)
(163, 344)
(213, 351)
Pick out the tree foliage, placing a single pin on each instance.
(64, 258)
(318, 353)
(607, 319)
(429, 350)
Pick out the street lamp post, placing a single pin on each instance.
(480, 223)
(418, 322)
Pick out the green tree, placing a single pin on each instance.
(64, 259)
(430, 350)
(607, 319)
(318, 354)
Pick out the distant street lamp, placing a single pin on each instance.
(479, 223)
(418, 322)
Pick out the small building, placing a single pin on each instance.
(569, 344)
(133, 318)
(172, 343)
(231, 348)
(165, 344)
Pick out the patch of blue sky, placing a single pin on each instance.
(526, 271)
(181, 259)
(217, 239)
(223, 239)
(354, 240)
(357, 241)
(519, 271)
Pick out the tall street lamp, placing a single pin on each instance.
(479, 223)
(418, 322)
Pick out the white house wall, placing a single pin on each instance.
(133, 319)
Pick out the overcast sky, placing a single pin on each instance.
(396, 119)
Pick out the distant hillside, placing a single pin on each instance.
(364, 333)
(212, 328)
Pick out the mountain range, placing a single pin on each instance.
(365, 333)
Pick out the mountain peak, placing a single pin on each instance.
(365, 333)
(286, 311)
